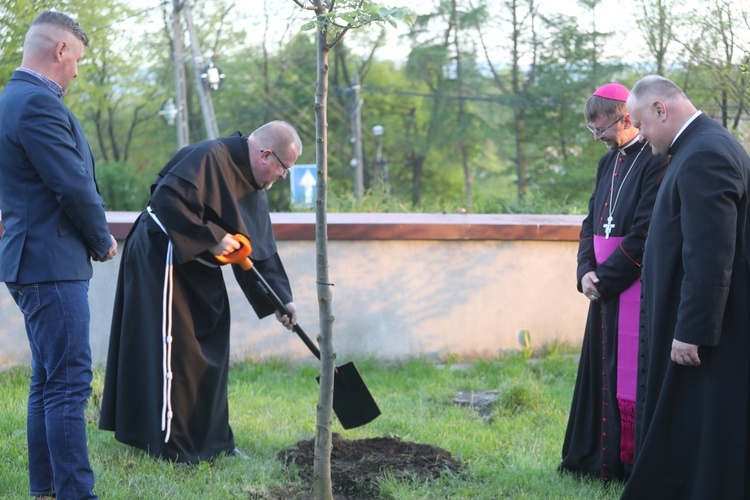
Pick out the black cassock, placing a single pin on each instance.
(692, 424)
(177, 389)
(592, 440)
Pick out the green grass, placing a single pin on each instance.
(511, 453)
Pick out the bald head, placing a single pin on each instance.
(274, 148)
(655, 86)
(54, 44)
(279, 136)
(659, 108)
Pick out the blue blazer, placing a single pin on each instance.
(52, 213)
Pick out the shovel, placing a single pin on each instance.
(352, 401)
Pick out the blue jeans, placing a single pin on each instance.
(57, 319)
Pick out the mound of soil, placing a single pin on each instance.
(357, 465)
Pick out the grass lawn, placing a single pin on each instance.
(512, 452)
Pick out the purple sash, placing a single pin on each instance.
(627, 349)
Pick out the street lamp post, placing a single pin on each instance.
(175, 116)
(357, 163)
(381, 166)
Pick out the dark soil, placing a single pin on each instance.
(356, 466)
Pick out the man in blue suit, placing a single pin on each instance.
(54, 224)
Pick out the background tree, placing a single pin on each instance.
(523, 44)
(565, 154)
(714, 49)
(656, 20)
(444, 57)
(525, 72)
(15, 19)
(116, 97)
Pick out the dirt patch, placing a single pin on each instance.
(357, 465)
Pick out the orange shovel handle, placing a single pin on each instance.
(240, 256)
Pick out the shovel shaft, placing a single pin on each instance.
(278, 304)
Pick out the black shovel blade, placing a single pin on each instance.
(352, 401)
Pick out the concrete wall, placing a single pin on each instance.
(404, 286)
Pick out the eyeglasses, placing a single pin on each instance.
(597, 131)
(286, 169)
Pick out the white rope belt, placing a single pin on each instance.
(166, 330)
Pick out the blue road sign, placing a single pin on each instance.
(303, 182)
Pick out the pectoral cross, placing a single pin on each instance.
(608, 227)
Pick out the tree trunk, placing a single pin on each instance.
(322, 462)
(461, 107)
(521, 173)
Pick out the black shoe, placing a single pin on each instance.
(237, 453)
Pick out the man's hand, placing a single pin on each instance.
(286, 320)
(110, 253)
(226, 246)
(685, 354)
(588, 286)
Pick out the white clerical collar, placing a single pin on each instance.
(626, 146)
(690, 120)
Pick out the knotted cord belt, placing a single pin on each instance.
(166, 330)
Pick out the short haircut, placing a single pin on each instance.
(596, 107)
(62, 21)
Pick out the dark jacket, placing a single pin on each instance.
(52, 212)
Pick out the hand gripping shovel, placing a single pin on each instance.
(352, 401)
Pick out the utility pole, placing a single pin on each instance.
(183, 129)
(358, 161)
(209, 117)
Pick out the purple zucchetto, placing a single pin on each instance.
(613, 91)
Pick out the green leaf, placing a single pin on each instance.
(308, 26)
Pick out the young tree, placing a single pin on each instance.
(332, 21)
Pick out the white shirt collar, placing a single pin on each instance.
(690, 120)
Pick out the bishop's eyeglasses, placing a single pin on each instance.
(597, 131)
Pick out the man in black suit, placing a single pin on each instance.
(54, 224)
(693, 409)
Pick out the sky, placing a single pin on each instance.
(613, 16)
(608, 19)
